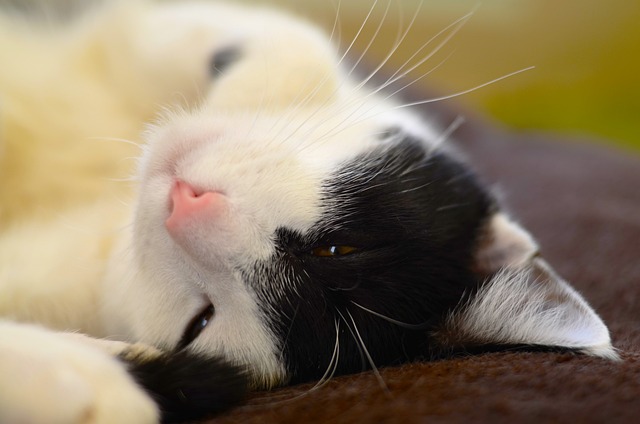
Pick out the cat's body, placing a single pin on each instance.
(284, 218)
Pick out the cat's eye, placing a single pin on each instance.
(328, 251)
(195, 326)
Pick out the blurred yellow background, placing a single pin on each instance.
(586, 55)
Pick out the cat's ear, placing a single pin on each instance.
(522, 300)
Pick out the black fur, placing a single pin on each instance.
(462, 351)
(188, 386)
(415, 217)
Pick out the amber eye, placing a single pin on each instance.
(325, 251)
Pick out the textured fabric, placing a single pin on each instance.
(582, 203)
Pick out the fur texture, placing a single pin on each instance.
(285, 221)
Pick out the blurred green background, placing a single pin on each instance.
(586, 54)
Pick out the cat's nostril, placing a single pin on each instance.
(188, 205)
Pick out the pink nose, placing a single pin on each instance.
(189, 206)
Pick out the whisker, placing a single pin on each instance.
(333, 363)
(394, 48)
(373, 38)
(456, 25)
(353, 334)
(453, 126)
(116, 139)
(452, 206)
(423, 326)
(338, 129)
(336, 20)
(409, 84)
(383, 385)
(463, 92)
(326, 377)
(284, 342)
(364, 23)
(447, 97)
(396, 76)
(310, 95)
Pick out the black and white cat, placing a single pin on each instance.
(286, 224)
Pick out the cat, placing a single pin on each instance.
(286, 222)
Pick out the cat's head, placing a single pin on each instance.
(324, 229)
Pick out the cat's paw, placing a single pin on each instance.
(53, 379)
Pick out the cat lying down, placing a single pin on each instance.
(286, 223)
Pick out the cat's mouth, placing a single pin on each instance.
(196, 325)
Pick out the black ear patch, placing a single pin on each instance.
(223, 59)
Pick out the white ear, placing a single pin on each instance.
(524, 302)
(503, 244)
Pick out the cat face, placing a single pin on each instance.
(284, 200)
(300, 225)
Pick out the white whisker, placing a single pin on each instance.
(362, 26)
(383, 385)
(447, 97)
(391, 320)
(393, 50)
(336, 20)
(326, 101)
(373, 38)
(353, 334)
(326, 377)
(456, 25)
(116, 139)
(463, 92)
(457, 122)
(409, 84)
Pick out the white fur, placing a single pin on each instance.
(55, 379)
(531, 305)
(525, 302)
(265, 135)
(505, 244)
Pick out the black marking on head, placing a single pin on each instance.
(188, 386)
(223, 59)
(415, 218)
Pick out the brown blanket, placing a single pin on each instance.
(582, 202)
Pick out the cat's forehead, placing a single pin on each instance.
(264, 151)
